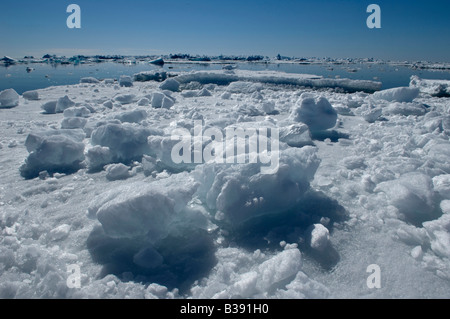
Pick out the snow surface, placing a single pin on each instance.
(88, 180)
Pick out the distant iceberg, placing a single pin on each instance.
(158, 61)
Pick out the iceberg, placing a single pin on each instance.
(158, 61)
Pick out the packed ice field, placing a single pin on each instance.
(89, 181)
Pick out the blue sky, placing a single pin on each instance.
(411, 30)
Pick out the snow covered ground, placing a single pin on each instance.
(89, 182)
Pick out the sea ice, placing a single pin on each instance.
(90, 80)
(54, 154)
(63, 104)
(413, 196)
(49, 107)
(296, 135)
(134, 116)
(282, 266)
(9, 98)
(116, 172)
(439, 88)
(31, 95)
(125, 98)
(77, 111)
(155, 75)
(142, 209)
(400, 94)
(171, 85)
(317, 113)
(36, 138)
(441, 185)
(241, 192)
(60, 232)
(108, 104)
(73, 123)
(97, 157)
(125, 81)
(319, 237)
(125, 141)
(161, 100)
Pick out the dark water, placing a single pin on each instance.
(45, 75)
